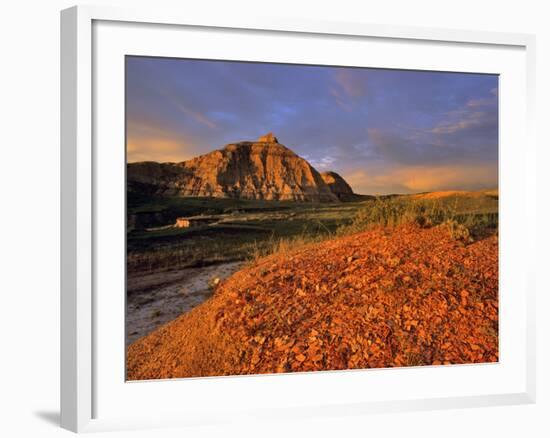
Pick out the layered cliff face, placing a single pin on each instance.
(264, 169)
(338, 185)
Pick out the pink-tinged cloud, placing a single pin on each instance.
(463, 120)
(162, 149)
(340, 100)
(352, 81)
(146, 141)
(201, 118)
(415, 179)
(185, 109)
(482, 102)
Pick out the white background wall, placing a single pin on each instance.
(29, 215)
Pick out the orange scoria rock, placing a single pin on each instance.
(406, 296)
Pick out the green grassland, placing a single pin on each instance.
(247, 229)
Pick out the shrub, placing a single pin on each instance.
(390, 212)
(457, 231)
(284, 246)
(396, 211)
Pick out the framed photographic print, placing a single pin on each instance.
(262, 208)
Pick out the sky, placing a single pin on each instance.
(384, 131)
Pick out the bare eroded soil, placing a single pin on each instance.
(156, 298)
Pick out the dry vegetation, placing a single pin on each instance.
(456, 215)
(249, 230)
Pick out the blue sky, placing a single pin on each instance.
(384, 131)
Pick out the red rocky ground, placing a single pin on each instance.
(382, 298)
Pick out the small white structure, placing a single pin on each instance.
(181, 222)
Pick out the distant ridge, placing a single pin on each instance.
(263, 170)
(456, 193)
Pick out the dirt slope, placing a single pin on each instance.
(382, 298)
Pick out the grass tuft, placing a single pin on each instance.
(390, 212)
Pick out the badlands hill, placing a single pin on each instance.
(338, 186)
(263, 169)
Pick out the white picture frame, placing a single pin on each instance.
(84, 387)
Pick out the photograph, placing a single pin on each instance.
(285, 218)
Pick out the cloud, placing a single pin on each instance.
(325, 163)
(341, 100)
(414, 179)
(467, 121)
(464, 120)
(150, 141)
(482, 102)
(350, 86)
(196, 115)
(406, 148)
(164, 150)
(201, 118)
(352, 81)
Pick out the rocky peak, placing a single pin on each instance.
(266, 145)
(268, 138)
(262, 169)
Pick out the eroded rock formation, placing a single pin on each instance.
(262, 169)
